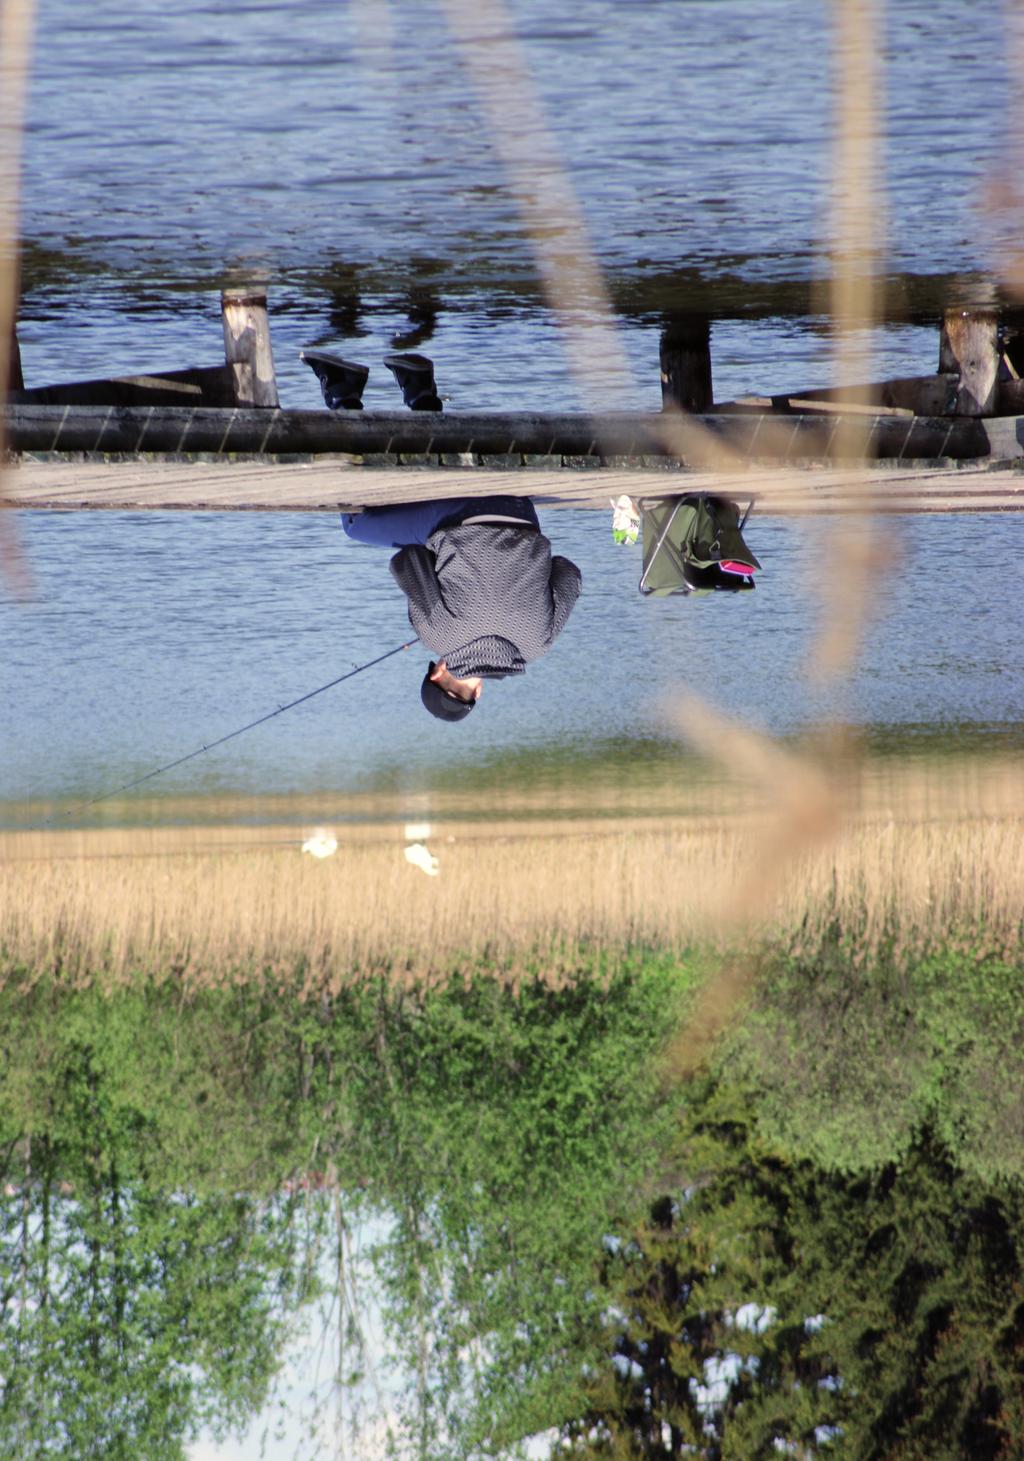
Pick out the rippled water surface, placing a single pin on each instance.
(154, 633)
(344, 156)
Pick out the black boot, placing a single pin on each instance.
(342, 381)
(415, 375)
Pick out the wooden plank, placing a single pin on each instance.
(745, 403)
(925, 395)
(325, 486)
(849, 408)
(763, 437)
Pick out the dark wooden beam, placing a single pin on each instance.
(15, 379)
(685, 358)
(205, 386)
(1010, 398)
(758, 436)
(925, 395)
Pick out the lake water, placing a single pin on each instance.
(153, 633)
(348, 163)
(351, 166)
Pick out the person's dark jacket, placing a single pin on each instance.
(487, 597)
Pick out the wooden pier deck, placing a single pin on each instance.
(217, 439)
(324, 485)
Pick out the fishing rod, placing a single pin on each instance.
(180, 760)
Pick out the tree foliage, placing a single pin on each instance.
(771, 1304)
(800, 1250)
(497, 1131)
(846, 1061)
(132, 1314)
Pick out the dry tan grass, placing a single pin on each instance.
(921, 856)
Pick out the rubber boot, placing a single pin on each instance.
(415, 375)
(342, 381)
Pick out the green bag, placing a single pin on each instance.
(687, 540)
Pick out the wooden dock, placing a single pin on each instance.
(326, 485)
(215, 438)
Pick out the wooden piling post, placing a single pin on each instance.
(685, 356)
(247, 347)
(969, 348)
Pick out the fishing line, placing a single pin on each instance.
(180, 761)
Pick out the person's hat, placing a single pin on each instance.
(440, 703)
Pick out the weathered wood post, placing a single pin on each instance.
(969, 347)
(686, 363)
(247, 347)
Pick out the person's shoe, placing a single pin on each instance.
(342, 381)
(415, 375)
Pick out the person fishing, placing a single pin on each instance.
(485, 593)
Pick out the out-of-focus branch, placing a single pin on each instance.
(801, 796)
(1005, 193)
(857, 199)
(572, 279)
(17, 19)
(542, 185)
(571, 276)
(803, 803)
(857, 229)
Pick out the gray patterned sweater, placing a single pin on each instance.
(487, 597)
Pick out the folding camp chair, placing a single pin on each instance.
(693, 544)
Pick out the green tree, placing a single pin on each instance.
(846, 1060)
(131, 1315)
(771, 1303)
(504, 1132)
(493, 1132)
(706, 1349)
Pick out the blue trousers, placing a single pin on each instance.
(413, 522)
